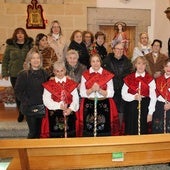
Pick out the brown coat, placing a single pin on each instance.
(49, 57)
(158, 66)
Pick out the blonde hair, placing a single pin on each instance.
(70, 52)
(145, 33)
(52, 23)
(29, 56)
(143, 58)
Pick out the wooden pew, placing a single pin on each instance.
(77, 153)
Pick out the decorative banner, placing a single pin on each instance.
(35, 16)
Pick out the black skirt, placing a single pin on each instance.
(57, 126)
(158, 119)
(131, 117)
(103, 118)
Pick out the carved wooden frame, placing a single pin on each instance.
(35, 16)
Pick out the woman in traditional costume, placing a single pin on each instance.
(98, 114)
(139, 94)
(161, 116)
(61, 98)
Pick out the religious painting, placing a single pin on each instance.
(35, 16)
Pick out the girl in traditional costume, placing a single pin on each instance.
(98, 113)
(139, 93)
(61, 98)
(161, 116)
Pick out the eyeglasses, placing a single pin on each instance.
(120, 49)
(55, 26)
(87, 36)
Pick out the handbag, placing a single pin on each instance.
(34, 110)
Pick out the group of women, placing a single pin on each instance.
(86, 91)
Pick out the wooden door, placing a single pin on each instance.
(110, 32)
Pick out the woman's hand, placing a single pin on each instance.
(95, 87)
(167, 106)
(149, 118)
(67, 112)
(138, 97)
(63, 106)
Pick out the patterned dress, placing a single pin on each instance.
(107, 115)
(161, 117)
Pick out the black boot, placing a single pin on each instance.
(20, 117)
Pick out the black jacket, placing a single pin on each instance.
(83, 53)
(120, 68)
(28, 88)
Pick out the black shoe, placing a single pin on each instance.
(20, 117)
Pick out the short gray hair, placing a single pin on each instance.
(59, 64)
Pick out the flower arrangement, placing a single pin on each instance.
(9, 96)
(93, 49)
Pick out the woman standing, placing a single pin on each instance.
(29, 90)
(78, 45)
(98, 114)
(143, 47)
(14, 57)
(61, 98)
(156, 59)
(139, 94)
(73, 67)
(161, 116)
(57, 41)
(88, 39)
(48, 54)
(98, 46)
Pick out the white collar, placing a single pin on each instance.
(155, 54)
(57, 80)
(91, 70)
(166, 76)
(138, 75)
(56, 36)
(145, 47)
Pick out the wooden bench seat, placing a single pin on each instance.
(76, 153)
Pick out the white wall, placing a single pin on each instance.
(160, 25)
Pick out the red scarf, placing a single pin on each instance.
(98, 78)
(61, 91)
(162, 86)
(133, 83)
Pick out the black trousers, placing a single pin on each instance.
(34, 125)
(13, 81)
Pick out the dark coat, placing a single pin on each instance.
(120, 68)
(28, 88)
(83, 53)
(14, 57)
